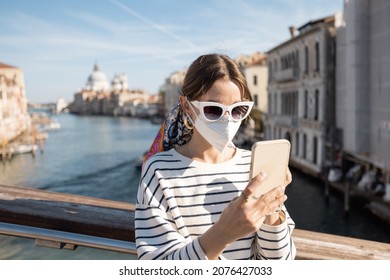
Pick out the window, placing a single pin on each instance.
(255, 80)
(267, 132)
(269, 103)
(306, 59)
(295, 104)
(297, 144)
(317, 57)
(315, 144)
(304, 145)
(275, 104)
(306, 104)
(316, 104)
(256, 100)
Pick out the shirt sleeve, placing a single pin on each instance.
(275, 242)
(157, 236)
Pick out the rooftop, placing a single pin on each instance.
(3, 65)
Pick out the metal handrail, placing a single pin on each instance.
(60, 239)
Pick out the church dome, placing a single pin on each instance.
(97, 80)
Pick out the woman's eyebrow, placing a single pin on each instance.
(218, 101)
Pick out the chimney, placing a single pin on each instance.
(293, 31)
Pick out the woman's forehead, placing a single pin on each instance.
(223, 91)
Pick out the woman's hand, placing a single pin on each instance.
(243, 215)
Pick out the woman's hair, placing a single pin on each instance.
(207, 69)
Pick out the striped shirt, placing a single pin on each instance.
(179, 199)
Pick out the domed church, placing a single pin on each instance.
(100, 97)
(97, 81)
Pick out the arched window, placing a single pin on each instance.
(306, 104)
(306, 59)
(275, 109)
(317, 56)
(316, 104)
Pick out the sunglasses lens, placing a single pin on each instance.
(239, 112)
(212, 113)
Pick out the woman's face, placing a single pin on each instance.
(222, 91)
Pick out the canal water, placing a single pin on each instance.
(96, 156)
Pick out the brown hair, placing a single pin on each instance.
(207, 69)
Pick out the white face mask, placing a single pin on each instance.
(219, 133)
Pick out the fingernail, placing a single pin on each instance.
(263, 174)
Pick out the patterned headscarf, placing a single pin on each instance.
(172, 133)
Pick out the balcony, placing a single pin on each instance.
(287, 75)
(290, 121)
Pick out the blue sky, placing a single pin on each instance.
(57, 42)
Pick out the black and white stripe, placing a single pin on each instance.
(179, 199)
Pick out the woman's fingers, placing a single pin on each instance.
(272, 200)
(250, 191)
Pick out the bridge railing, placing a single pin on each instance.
(65, 221)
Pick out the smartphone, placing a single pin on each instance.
(271, 157)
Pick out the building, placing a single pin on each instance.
(362, 83)
(100, 97)
(97, 81)
(170, 90)
(301, 89)
(256, 74)
(14, 117)
(255, 69)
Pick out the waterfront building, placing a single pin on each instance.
(301, 89)
(170, 90)
(14, 117)
(100, 97)
(97, 81)
(256, 74)
(61, 106)
(362, 83)
(245, 59)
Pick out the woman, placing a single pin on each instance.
(195, 200)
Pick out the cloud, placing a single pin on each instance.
(147, 44)
(156, 26)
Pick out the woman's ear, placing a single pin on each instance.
(184, 104)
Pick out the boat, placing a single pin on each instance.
(335, 175)
(53, 126)
(380, 209)
(50, 126)
(25, 148)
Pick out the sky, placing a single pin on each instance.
(57, 42)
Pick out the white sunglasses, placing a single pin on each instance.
(213, 111)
